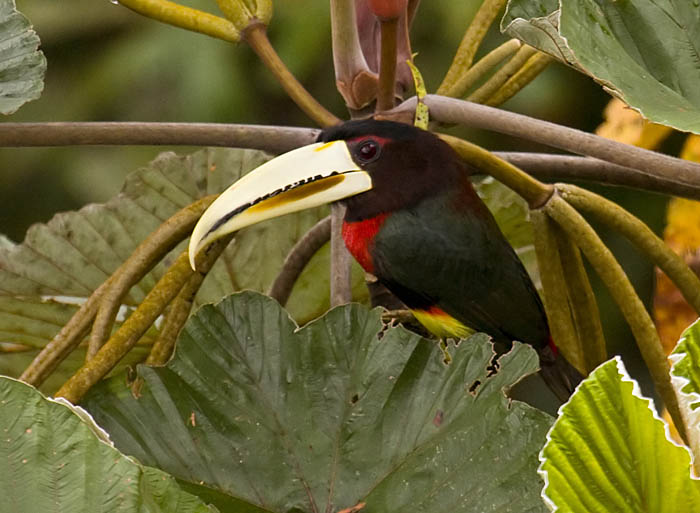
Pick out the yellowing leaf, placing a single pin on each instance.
(682, 234)
(626, 125)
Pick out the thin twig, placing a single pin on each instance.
(179, 311)
(136, 325)
(526, 74)
(67, 339)
(483, 66)
(144, 257)
(298, 258)
(553, 168)
(256, 36)
(501, 76)
(387, 65)
(470, 42)
(535, 192)
(639, 234)
(584, 308)
(555, 291)
(341, 261)
(626, 298)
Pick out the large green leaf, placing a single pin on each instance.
(60, 263)
(22, 65)
(252, 410)
(53, 457)
(685, 378)
(609, 452)
(647, 52)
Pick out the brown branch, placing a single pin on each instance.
(341, 284)
(268, 138)
(545, 166)
(554, 168)
(451, 110)
(298, 258)
(387, 65)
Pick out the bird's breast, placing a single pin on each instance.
(359, 237)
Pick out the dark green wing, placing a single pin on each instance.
(454, 256)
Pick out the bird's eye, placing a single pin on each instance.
(368, 150)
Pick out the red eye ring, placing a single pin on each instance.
(367, 150)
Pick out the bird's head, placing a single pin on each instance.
(372, 166)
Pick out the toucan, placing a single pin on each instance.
(413, 220)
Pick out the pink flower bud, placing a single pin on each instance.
(387, 9)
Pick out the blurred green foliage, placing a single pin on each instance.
(106, 63)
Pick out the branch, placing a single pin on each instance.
(470, 42)
(256, 36)
(535, 192)
(526, 74)
(150, 251)
(341, 281)
(387, 65)
(450, 110)
(555, 291)
(136, 325)
(142, 260)
(65, 340)
(179, 311)
(483, 66)
(626, 298)
(639, 234)
(298, 258)
(545, 166)
(553, 168)
(260, 137)
(501, 76)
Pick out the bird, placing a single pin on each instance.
(413, 220)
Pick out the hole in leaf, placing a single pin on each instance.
(474, 386)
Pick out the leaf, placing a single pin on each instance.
(608, 451)
(345, 410)
(537, 23)
(53, 457)
(62, 262)
(685, 378)
(645, 52)
(22, 65)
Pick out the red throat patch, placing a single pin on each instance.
(358, 237)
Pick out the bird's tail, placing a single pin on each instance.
(559, 375)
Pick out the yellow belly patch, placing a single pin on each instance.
(441, 324)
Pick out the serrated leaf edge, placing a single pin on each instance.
(636, 392)
(686, 399)
(80, 412)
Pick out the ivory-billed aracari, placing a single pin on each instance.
(414, 221)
